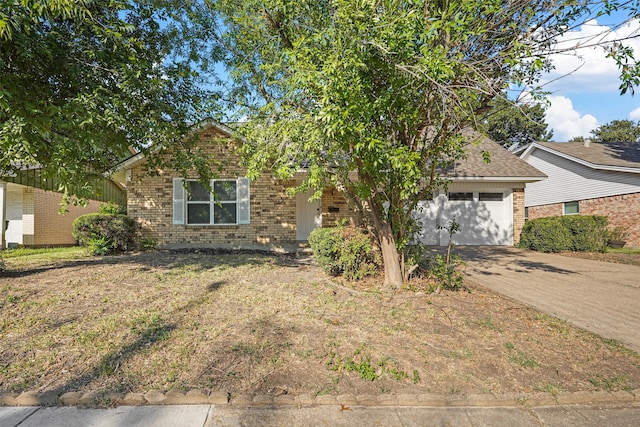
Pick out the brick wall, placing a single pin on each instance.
(336, 207)
(51, 227)
(28, 216)
(272, 211)
(518, 213)
(622, 211)
(542, 211)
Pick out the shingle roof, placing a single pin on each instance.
(503, 163)
(604, 154)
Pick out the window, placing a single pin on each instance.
(571, 208)
(460, 197)
(526, 213)
(193, 204)
(490, 197)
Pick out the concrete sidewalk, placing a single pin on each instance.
(597, 296)
(215, 416)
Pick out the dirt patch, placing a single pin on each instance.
(267, 324)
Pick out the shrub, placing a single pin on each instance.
(442, 271)
(446, 271)
(325, 243)
(104, 233)
(148, 244)
(565, 233)
(589, 233)
(545, 235)
(112, 208)
(345, 250)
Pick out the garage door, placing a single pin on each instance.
(485, 218)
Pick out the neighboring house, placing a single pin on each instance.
(587, 178)
(29, 211)
(489, 202)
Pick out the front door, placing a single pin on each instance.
(308, 215)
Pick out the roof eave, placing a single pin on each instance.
(497, 178)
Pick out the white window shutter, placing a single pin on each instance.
(178, 201)
(242, 193)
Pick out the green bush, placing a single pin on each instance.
(345, 250)
(104, 233)
(579, 233)
(325, 243)
(589, 232)
(112, 208)
(447, 272)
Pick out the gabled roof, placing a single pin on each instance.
(138, 158)
(503, 165)
(620, 157)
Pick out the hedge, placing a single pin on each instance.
(578, 233)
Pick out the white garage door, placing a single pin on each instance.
(485, 218)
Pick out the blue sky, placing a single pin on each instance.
(586, 94)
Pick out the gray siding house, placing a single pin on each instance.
(587, 178)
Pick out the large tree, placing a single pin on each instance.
(512, 123)
(382, 88)
(81, 81)
(618, 131)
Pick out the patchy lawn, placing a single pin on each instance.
(269, 324)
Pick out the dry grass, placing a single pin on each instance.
(257, 323)
(619, 256)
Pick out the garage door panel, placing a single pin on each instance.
(426, 213)
(484, 219)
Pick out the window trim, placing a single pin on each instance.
(181, 203)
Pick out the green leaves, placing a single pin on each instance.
(82, 81)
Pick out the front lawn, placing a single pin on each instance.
(267, 324)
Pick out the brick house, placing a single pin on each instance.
(588, 179)
(261, 214)
(29, 210)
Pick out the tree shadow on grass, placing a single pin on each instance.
(153, 332)
(196, 259)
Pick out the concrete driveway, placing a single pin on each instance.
(600, 297)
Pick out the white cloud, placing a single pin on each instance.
(635, 114)
(587, 69)
(566, 122)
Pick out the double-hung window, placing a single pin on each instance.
(194, 204)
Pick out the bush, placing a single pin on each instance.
(589, 233)
(580, 233)
(345, 250)
(112, 208)
(442, 271)
(446, 271)
(104, 233)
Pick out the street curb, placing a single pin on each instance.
(200, 397)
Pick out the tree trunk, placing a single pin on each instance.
(390, 257)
